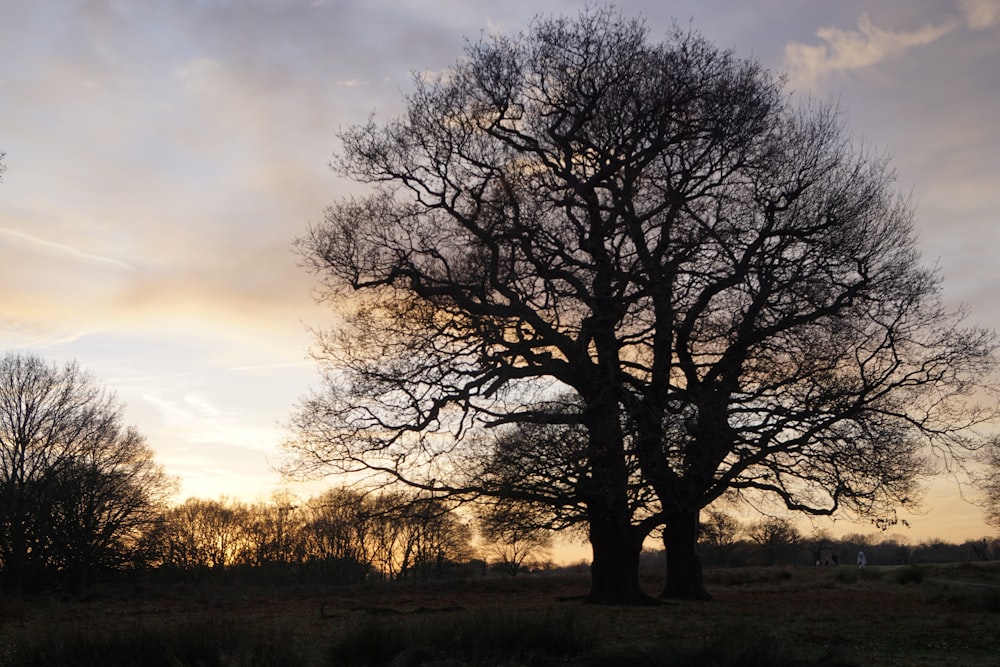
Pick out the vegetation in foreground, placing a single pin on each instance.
(893, 615)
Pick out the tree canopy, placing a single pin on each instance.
(989, 483)
(726, 285)
(77, 486)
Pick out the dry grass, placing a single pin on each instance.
(764, 616)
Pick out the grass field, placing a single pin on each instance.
(906, 615)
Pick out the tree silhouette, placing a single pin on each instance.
(989, 482)
(77, 487)
(775, 538)
(727, 286)
(720, 533)
(509, 532)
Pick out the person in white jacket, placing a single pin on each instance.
(862, 561)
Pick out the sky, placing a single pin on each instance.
(163, 155)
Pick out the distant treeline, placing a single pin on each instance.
(344, 536)
(341, 536)
(728, 542)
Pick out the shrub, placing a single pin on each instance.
(978, 599)
(846, 575)
(747, 576)
(742, 646)
(196, 643)
(370, 640)
(728, 646)
(480, 637)
(908, 574)
(850, 575)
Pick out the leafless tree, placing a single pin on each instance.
(97, 507)
(720, 532)
(351, 535)
(509, 532)
(387, 533)
(199, 535)
(542, 468)
(435, 536)
(727, 285)
(274, 532)
(820, 544)
(76, 485)
(989, 482)
(775, 538)
(341, 535)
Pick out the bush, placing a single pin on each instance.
(497, 638)
(964, 597)
(735, 647)
(480, 637)
(729, 646)
(846, 575)
(908, 574)
(747, 576)
(196, 643)
(850, 575)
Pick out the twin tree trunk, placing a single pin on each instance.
(614, 570)
(617, 546)
(615, 539)
(680, 539)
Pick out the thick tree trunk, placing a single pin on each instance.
(614, 571)
(684, 578)
(18, 563)
(80, 578)
(615, 542)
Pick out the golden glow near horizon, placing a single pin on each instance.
(161, 158)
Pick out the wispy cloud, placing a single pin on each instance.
(18, 333)
(843, 50)
(265, 367)
(59, 248)
(197, 419)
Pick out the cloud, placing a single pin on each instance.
(266, 367)
(34, 331)
(844, 50)
(980, 14)
(59, 248)
(195, 418)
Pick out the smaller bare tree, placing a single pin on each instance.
(821, 546)
(720, 532)
(775, 538)
(435, 537)
(200, 535)
(341, 535)
(511, 533)
(274, 532)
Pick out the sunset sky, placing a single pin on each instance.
(162, 155)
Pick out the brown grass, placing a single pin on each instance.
(793, 616)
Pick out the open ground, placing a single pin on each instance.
(901, 615)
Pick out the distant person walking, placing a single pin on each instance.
(862, 561)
